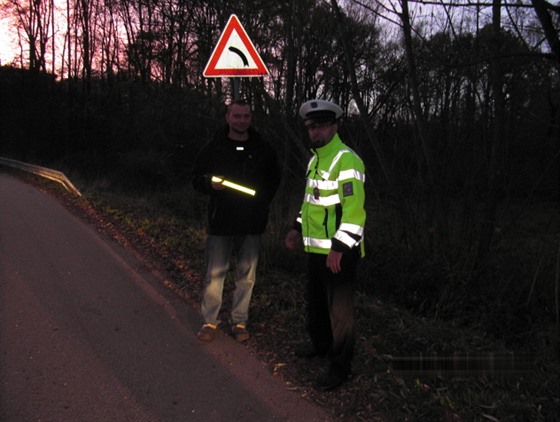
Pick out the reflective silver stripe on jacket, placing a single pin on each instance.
(333, 184)
(352, 174)
(323, 201)
(337, 157)
(322, 184)
(317, 243)
(326, 174)
(352, 228)
(346, 239)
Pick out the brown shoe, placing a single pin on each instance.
(207, 332)
(240, 332)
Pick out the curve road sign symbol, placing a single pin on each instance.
(240, 54)
(245, 61)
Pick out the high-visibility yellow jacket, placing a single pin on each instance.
(332, 215)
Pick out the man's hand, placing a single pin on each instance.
(218, 185)
(333, 261)
(291, 240)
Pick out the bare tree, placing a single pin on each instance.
(351, 69)
(33, 21)
(542, 9)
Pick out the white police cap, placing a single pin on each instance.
(319, 110)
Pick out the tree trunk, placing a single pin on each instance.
(437, 215)
(497, 80)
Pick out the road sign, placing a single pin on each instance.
(234, 55)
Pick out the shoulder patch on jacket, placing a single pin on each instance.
(348, 189)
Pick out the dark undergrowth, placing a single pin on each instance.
(505, 357)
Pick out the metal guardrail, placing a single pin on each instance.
(54, 175)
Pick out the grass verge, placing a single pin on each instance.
(174, 244)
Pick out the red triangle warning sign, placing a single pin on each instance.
(235, 54)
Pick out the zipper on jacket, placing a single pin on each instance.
(325, 223)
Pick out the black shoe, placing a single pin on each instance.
(331, 381)
(309, 353)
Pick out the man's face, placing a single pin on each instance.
(239, 118)
(320, 134)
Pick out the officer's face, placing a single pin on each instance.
(239, 118)
(320, 134)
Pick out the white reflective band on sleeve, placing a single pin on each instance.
(299, 220)
(345, 238)
(317, 243)
(323, 184)
(352, 174)
(323, 201)
(352, 228)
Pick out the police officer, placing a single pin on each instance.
(331, 225)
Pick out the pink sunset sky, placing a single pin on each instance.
(8, 45)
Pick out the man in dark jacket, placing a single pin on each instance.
(240, 172)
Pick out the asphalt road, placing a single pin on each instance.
(88, 333)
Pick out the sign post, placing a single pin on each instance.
(235, 84)
(234, 56)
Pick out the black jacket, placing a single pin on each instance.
(252, 163)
